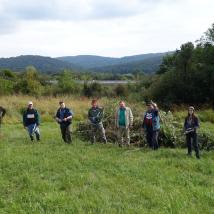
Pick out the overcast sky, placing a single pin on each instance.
(100, 27)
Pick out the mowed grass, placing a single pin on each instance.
(52, 177)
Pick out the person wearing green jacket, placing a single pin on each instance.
(95, 116)
(123, 122)
(31, 121)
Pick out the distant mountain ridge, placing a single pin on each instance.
(149, 63)
(41, 63)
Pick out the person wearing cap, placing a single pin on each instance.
(191, 124)
(64, 117)
(123, 122)
(31, 121)
(151, 125)
(95, 116)
(2, 114)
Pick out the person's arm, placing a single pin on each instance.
(101, 113)
(196, 123)
(99, 116)
(69, 115)
(57, 117)
(37, 116)
(131, 118)
(155, 108)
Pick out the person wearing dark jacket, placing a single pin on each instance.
(191, 124)
(2, 113)
(31, 121)
(95, 116)
(151, 125)
(64, 117)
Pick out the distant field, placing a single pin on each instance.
(51, 177)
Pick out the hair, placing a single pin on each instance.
(94, 101)
(193, 114)
(121, 101)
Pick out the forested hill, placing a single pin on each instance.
(148, 63)
(41, 63)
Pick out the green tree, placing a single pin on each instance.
(66, 83)
(29, 82)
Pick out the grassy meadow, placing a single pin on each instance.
(53, 177)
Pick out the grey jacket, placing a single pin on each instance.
(128, 117)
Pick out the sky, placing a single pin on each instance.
(100, 27)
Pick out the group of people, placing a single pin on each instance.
(123, 124)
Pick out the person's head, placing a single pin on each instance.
(191, 111)
(149, 106)
(30, 104)
(62, 104)
(94, 103)
(122, 104)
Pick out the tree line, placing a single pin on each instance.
(184, 76)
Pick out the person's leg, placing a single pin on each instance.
(63, 131)
(102, 133)
(37, 133)
(189, 144)
(93, 133)
(195, 144)
(120, 136)
(149, 137)
(155, 139)
(68, 134)
(127, 136)
(30, 131)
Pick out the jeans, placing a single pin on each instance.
(33, 129)
(152, 138)
(191, 138)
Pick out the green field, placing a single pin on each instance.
(52, 177)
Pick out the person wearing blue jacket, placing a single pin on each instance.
(31, 121)
(151, 125)
(64, 117)
(191, 124)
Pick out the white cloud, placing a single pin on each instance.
(110, 28)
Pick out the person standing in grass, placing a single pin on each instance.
(151, 125)
(64, 117)
(191, 124)
(2, 113)
(31, 121)
(123, 121)
(95, 116)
